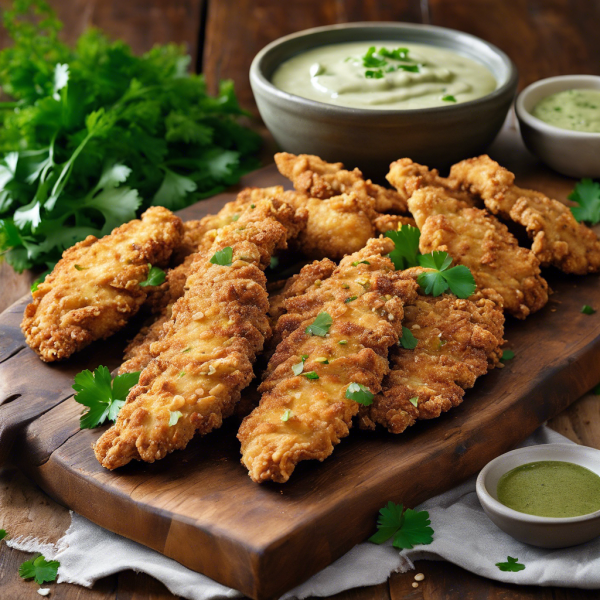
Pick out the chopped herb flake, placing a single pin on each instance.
(408, 340)
(39, 569)
(175, 416)
(359, 393)
(511, 564)
(587, 310)
(414, 401)
(350, 299)
(286, 415)
(311, 375)
(448, 98)
(320, 325)
(156, 276)
(507, 355)
(223, 257)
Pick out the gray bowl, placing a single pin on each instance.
(371, 139)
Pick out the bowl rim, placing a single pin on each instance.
(487, 500)
(524, 115)
(258, 77)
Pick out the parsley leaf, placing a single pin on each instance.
(286, 415)
(320, 326)
(360, 262)
(2, 534)
(311, 375)
(174, 417)
(406, 252)
(507, 355)
(587, 195)
(156, 276)
(102, 397)
(414, 401)
(223, 257)
(359, 393)
(407, 527)
(512, 564)
(587, 310)
(408, 340)
(299, 367)
(459, 279)
(448, 98)
(39, 569)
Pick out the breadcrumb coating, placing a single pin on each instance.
(95, 288)
(558, 239)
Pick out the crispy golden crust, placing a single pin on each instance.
(504, 272)
(558, 239)
(94, 289)
(320, 414)
(204, 359)
(407, 176)
(138, 353)
(383, 223)
(318, 179)
(458, 340)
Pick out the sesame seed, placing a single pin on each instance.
(419, 577)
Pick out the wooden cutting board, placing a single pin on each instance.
(199, 506)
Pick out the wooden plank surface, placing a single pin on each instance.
(544, 37)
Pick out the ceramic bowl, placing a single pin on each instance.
(545, 532)
(371, 139)
(572, 153)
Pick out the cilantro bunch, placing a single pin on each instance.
(93, 135)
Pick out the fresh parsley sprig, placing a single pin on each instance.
(156, 276)
(359, 393)
(406, 251)
(407, 527)
(320, 326)
(511, 564)
(223, 257)
(39, 569)
(102, 396)
(408, 340)
(458, 279)
(587, 196)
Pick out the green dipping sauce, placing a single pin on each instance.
(550, 488)
(379, 75)
(577, 110)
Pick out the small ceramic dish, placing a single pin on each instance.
(371, 139)
(572, 153)
(545, 532)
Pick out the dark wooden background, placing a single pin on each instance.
(543, 37)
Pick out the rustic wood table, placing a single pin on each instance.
(543, 37)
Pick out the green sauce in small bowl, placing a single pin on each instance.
(576, 110)
(550, 488)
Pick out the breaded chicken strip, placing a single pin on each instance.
(504, 272)
(95, 288)
(316, 178)
(384, 223)
(457, 341)
(303, 414)
(558, 239)
(204, 360)
(407, 176)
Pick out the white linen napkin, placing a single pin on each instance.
(463, 535)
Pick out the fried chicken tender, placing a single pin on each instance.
(316, 178)
(457, 342)
(95, 288)
(204, 360)
(558, 239)
(407, 176)
(384, 223)
(504, 272)
(302, 417)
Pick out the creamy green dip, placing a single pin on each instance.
(578, 110)
(413, 76)
(550, 488)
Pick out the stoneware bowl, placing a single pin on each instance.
(545, 532)
(572, 153)
(371, 139)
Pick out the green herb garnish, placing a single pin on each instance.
(350, 299)
(587, 310)
(223, 257)
(359, 393)
(507, 355)
(448, 98)
(587, 195)
(459, 279)
(375, 61)
(408, 340)
(40, 279)
(2, 534)
(83, 121)
(156, 276)
(286, 415)
(406, 252)
(80, 268)
(311, 375)
(299, 367)
(39, 569)
(320, 326)
(407, 527)
(343, 342)
(174, 417)
(414, 401)
(360, 262)
(511, 564)
(274, 263)
(377, 74)
(102, 396)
